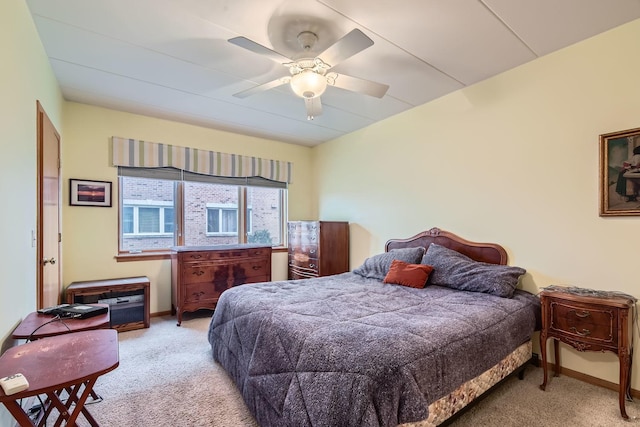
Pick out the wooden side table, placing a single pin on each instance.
(36, 325)
(589, 320)
(68, 363)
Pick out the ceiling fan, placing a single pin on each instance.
(309, 74)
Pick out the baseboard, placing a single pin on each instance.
(161, 313)
(535, 360)
(170, 313)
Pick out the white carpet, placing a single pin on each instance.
(167, 377)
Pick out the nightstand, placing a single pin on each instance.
(589, 320)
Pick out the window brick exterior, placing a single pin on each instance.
(264, 204)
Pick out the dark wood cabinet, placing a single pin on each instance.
(589, 320)
(128, 299)
(199, 274)
(318, 248)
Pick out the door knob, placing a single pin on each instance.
(49, 261)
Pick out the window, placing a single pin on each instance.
(222, 220)
(158, 213)
(204, 226)
(265, 207)
(140, 220)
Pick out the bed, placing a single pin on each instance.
(363, 349)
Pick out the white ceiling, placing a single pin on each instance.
(171, 59)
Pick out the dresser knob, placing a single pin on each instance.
(583, 314)
(198, 273)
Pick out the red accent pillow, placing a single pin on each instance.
(412, 275)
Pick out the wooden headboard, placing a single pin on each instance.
(484, 252)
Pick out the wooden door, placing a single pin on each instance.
(48, 233)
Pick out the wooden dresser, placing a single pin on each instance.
(199, 274)
(318, 248)
(589, 320)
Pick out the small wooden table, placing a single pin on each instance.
(53, 365)
(589, 320)
(36, 326)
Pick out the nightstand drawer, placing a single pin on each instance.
(592, 323)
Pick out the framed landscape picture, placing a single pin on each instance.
(89, 193)
(620, 173)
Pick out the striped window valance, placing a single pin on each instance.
(143, 154)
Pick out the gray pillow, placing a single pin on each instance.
(377, 266)
(455, 270)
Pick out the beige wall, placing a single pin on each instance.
(513, 160)
(25, 76)
(90, 237)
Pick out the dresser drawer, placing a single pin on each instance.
(305, 262)
(304, 245)
(304, 236)
(308, 251)
(309, 240)
(195, 256)
(309, 227)
(247, 269)
(204, 273)
(303, 227)
(233, 254)
(587, 322)
(301, 273)
(201, 292)
(242, 253)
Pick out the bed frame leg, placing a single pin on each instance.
(521, 369)
(521, 374)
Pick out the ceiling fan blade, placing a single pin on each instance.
(314, 107)
(359, 85)
(354, 42)
(262, 87)
(259, 49)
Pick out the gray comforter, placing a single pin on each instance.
(349, 351)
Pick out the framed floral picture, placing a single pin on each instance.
(620, 173)
(89, 193)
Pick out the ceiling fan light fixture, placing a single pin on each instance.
(308, 84)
